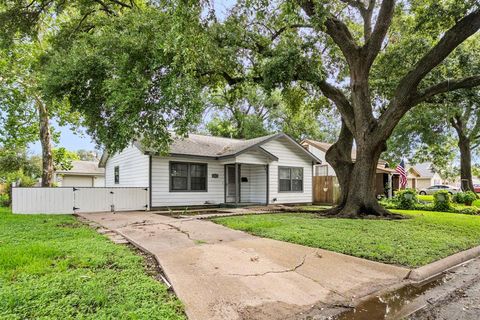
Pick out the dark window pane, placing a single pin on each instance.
(179, 170)
(284, 184)
(179, 183)
(198, 170)
(297, 185)
(198, 183)
(284, 173)
(297, 173)
(116, 174)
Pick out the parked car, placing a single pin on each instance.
(476, 188)
(433, 189)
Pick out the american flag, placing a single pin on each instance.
(403, 174)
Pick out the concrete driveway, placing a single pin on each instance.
(219, 273)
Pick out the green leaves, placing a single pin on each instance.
(62, 158)
(128, 80)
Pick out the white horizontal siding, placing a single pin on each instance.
(161, 195)
(245, 190)
(321, 155)
(255, 190)
(133, 166)
(253, 157)
(289, 155)
(99, 182)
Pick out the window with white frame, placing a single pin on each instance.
(290, 179)
(185, 176)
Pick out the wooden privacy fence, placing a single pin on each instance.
(67, 200)
(326, 190)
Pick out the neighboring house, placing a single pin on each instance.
(427, 176)
(385, 176)
(412, 177)
(82, 174)
(203, 170)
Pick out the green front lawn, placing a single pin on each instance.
(426, 237)
(53, 267)
(427, 197)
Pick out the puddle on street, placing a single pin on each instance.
(388, 305)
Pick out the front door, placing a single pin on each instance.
(230, 184)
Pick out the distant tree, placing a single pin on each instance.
(259, 113)
(12, 161)
(25, 113)
(86, 155)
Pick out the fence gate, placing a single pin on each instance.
(69, 200)
(326, 190)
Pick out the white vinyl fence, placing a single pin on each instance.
(72, 200)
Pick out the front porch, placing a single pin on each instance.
(246, 184)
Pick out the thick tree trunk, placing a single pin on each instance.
(465, 163)
(45, 141)
(357, 182)
(466, 177)
(356, 178)
(339, 157)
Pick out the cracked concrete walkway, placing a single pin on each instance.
(220, 273)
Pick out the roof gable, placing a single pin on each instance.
(218, 147)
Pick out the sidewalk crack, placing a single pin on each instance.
(180, 230)
(272, 271)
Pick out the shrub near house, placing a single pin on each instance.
(441, 201)
(466, 198)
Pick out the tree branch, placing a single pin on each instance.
(336, 29)
(126, 5)
(463, 29)
(105, 7)
(366, 13)
(277, 33)
(340, 34)
(384, 20)
(406, 90)
(341, 101)
(445, 86)
(456, 123)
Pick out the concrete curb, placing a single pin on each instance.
(435, 268)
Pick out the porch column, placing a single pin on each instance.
(237, 182)
(390, 185)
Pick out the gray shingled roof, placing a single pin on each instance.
(208, 146)
(216, 147)
(84, 167)
(425, 169)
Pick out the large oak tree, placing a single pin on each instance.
(340, 49)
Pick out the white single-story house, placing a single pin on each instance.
(82, 174)
(204, 170)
